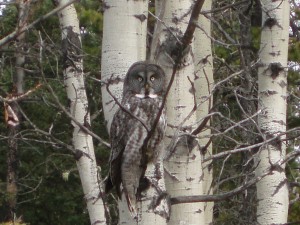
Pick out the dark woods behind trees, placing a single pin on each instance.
(39, 181)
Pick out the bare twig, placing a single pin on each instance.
(119, 104)
(19, 31)
(220, 197)
(168, 28)
(250, 147)
(59, 142)
(222, 9)
(81, 126)
(14, 98)
(124, 109)
(183, 44)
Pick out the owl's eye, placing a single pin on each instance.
(152, 78)
(140, 79)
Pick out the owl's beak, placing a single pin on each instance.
(147, 87)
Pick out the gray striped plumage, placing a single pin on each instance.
(143, 94)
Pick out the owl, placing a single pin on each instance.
(143, 94)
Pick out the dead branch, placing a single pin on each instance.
(21, 30)
(220, 197)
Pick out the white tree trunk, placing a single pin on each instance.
(204, 71)
(272, 191)
(82, 142)
(183, 165)
(124, 42)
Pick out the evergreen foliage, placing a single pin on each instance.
(49, 186)
(50, 191)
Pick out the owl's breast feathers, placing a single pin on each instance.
(146, 109)
(128, 161)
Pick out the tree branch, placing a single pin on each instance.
(220, 197)
(19, 31)
(189, 32)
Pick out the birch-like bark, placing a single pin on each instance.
(183, 159)
(272, 191)
(124, 42)
(203, 62)
(75, 87)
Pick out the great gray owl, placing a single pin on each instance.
(143, 93)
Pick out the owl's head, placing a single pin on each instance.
(144, 80)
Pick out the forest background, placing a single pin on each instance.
(49, 190)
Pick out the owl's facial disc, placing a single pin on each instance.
(146, 90)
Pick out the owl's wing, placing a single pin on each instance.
(117, 133)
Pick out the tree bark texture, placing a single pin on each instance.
(75, 87)
(204, 82)
(124, 42)
(272, 191)
(182, 159)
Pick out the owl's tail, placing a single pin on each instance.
(131, 207)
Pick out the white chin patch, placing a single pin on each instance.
(152, 95)
(144, 96)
